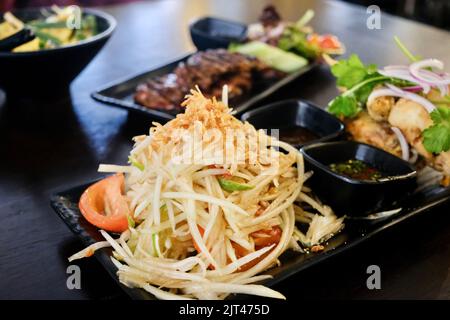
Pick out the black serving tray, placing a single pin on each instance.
(356, 231)
(120, 93)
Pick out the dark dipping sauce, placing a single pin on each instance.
(297, 135)
(357, 169)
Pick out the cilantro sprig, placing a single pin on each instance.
(358, 80)
(436, 139)
(352, 71)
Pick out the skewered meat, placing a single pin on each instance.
(442, 163)
(379, 134)
(373, 127)
(380, 108)
(411, 118)
(210, 70)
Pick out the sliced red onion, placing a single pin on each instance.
(396, 67)
(404, 75)
(417, 71)
(391, 92)
(426, 63)
(403, 143)
(394, 88)
(431, 76)
(413, 89)
(426, 81)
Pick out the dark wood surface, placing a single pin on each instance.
(51, 146)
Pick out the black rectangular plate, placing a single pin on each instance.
(65, 204)
(120, 93)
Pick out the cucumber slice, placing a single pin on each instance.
(273, 56)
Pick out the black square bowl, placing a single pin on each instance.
(354, 197)
(213, 33)
(290, 114)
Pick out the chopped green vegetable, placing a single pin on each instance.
(48, 25)
(273, 56)
(88, 28)
(89, 23)
(131, 222)
(52, 31)
(305, 19)
(436, 138)
(136, 163)
(79, 35)
(230, 185)
(45, 37)
(155, 242)
(295, 40)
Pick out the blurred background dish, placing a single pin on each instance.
(213, 33)
(48, 73)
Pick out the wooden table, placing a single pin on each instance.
(51, 147)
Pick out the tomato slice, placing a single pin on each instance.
(329, 42)
(265, 238)
(262, 238)
(326, 41)
(104, 205)
(241, 252)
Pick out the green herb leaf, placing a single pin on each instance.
(346, 106)
(352, 71)
(359, 80)
(436, 138)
